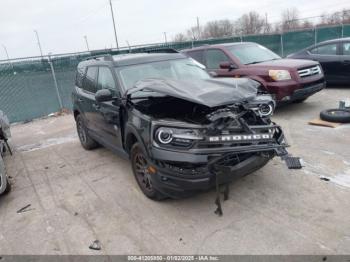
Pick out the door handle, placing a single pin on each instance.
(96, 106)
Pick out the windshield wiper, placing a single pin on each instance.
(257, 62)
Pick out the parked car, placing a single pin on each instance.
(175, 123)
(285, 79)
(5, 134)
(333, 55)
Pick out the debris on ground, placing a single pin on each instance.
(319, 122)
(325, 179)
(62, 112)
(25, 209)
(96, 245)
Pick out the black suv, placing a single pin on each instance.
(182, 130)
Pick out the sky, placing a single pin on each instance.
(62, 24)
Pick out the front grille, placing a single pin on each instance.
(310, 71)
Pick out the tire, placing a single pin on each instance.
(8, 188)
(86, 141)
(139, 167)
(336, 115)
(298, 101)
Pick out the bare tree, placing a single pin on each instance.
(180, 38)
(219, 28)
(251, 23)
(306, 24)
(335, 18)
(193, 33)
(290, 19)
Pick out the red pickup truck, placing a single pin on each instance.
(287, 80)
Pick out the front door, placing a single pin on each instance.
(108, 119)
(87, 98)
(213, 58)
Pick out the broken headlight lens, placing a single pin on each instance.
(176, 136)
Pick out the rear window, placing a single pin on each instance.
(330, 49)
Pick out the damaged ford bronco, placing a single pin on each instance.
(183, 130)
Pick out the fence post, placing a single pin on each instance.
(315, 34)
(55, 82)
(282, 49)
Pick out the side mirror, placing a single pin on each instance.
(103, 95)
(227, 65)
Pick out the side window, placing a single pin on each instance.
(197, 55)
(105, 79)
(214, 57)
(346, 48)
(80, 76)
(90, 79)
(330, 49)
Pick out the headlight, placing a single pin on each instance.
(280, 75)
(266, 109)
(176, 136)
(165, 135)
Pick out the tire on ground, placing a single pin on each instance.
(152, 193)
(86, 141)
(336, 115)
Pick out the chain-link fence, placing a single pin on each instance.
(37, 86)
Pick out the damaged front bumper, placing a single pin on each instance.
(183, 172)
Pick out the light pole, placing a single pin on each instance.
(37, 38)
(165, 38)
(127, 42)
(87, 43)
(8, 57)
(115, 30)
(198, 29)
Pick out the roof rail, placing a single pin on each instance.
(106, 57)
(162, 50)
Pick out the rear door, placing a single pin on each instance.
(87, 98)
(213, 58)
(345, 62)
(329, 57)
(108, 118)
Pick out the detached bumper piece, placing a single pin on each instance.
(219, 170)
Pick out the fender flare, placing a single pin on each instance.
(131, 130)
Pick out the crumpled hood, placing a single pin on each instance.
(209, 92)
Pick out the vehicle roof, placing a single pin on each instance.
(131, 59)
(219, 45)
(335, 40)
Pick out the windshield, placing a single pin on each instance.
(180, 69)
(252, 53)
